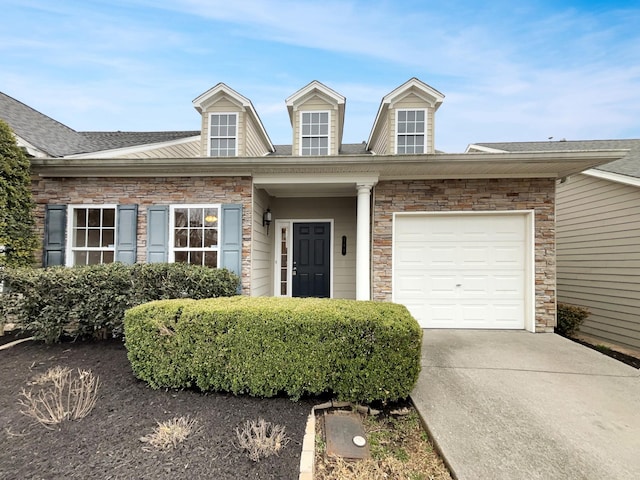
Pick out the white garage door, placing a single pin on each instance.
(461, 271)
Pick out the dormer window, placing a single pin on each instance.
(314, 133)
(410, 131)
(223, 134)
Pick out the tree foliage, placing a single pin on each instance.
(17, 221)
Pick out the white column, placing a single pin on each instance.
(363, 243)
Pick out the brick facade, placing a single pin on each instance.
(470, 195)
(146, 192)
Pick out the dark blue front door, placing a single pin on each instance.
(311, 262)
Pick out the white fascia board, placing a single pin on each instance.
(482, 148)
(613, 177)
(31, 149)
(315, 85)
(294, 179)
(115, 152)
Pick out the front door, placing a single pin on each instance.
(311, 259)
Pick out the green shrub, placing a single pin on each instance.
(90, 301)
(359, 351)
(570, 317)
(17, 220)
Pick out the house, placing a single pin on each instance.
(465, 240)
(597, 231)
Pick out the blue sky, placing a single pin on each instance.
(510, 71)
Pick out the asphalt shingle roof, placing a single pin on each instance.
(58, 140)
(629, 165)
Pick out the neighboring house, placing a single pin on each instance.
(598, 227)
(465, 240)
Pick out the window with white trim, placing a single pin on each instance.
(314, 133)
(410, 131)
(92, 234)
(194, 234)
(223, 134)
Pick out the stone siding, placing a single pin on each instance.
(146, 192)
(470, 195)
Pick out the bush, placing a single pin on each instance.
(359, 351)
(570, 317)
(90, 301)
(17, 220)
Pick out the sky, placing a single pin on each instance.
(522, 70)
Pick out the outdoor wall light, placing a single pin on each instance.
(266, 219)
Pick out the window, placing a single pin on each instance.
(314, 133)
(223, 129)
(92, 234)
(410, 129)
(194, 234)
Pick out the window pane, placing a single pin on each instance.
(180, 217)
(181, 257)
(402, 116)
(80, 217)
(211, 217)
(80, 258)
(215, 120)
(108, 238)
(420, 127)
(324, 117)
(80, 240)
(93, 237)
(195, 258)
(109, 217)
(195, 238)
(211, 259)
(180, 238)
(420, 115)
(210, 238)
(94, 217)
(94, 258)
(195, 217)
(107, 257)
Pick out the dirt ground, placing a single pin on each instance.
(106, 444)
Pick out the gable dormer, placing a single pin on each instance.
(230, 125)
(317, 117)
(405, 120)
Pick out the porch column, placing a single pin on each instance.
(363, 243)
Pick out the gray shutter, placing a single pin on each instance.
(231, 245)
(158, 234)
(55, 223)
(126, 235)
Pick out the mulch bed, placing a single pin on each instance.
(106, 444)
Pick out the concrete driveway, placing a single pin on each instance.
(517, 405)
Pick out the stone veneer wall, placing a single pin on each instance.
(470, 195)
(146, 192)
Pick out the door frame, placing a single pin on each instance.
(288, 225)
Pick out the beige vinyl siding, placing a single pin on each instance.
(598, 254)
(343, 213)
(316, 103)
(182, 150)
(411, 102)
(255, 146)
(381, 138)
(223, 105)
(261, 248)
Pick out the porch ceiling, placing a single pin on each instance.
(384, 167)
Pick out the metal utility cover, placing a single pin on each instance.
(340, 428)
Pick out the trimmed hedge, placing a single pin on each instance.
(570, 317)
(359, 351)
(90, 301)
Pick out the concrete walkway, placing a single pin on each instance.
(517, 405)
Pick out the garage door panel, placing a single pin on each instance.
(461, 271)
